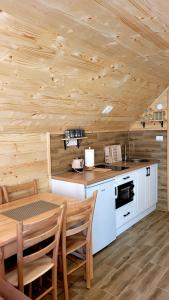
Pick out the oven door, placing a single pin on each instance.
(124, 193)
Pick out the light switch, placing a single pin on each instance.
(159, 138)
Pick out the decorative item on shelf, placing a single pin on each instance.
(74, 133)
(153, 117)
(73, 137)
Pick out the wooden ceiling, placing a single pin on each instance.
(63, 61)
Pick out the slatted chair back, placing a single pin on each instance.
(16, 192)
(1, 198)
(33, 233)
(79, 217)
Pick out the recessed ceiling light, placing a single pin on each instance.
(107, 109)
(159, 106)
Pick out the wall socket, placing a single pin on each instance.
(159, 138)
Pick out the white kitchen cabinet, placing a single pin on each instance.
(146, 188)
(109, 222)
(103, 228)
(145, 199)
(125, 199)
(153, 184)
(142, 203)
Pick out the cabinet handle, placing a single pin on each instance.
(103, 190)
(127, 214)
(116, 192)
(126, 177)
(148, 171)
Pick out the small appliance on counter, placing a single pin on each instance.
(112, 154)
(89, 158)
(78, 164)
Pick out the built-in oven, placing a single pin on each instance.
(124, 192)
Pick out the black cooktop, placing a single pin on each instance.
(112, 167)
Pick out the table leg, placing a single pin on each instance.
(2, 269)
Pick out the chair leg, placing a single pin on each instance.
(40, 281)
(30, 290)
(84, 253)
(88, 274)
(2, 267)
(91, 264)
(65, 279)
(54, 283)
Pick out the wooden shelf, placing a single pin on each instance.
(75, 138)
(143, 123)
(79, 139)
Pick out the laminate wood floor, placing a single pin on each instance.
(134, 267)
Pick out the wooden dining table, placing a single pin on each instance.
(8, 233)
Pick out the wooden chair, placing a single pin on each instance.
(1, 195)
(33, 265)
(8, 292)
(16, 192)
(76, 239)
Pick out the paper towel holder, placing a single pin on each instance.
(89, 164)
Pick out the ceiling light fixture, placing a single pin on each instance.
(107, 109)
(159, 106)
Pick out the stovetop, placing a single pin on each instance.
(111, 167)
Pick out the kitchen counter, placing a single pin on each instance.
(99, 174)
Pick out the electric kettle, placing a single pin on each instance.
(78, 164)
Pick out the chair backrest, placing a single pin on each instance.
(16, 192)
(33, 233)
(79, 216)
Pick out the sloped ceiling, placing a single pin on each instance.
(63, 61)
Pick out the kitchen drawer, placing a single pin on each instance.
(125, 213)
(124, 178)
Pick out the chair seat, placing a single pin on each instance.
(31, 271)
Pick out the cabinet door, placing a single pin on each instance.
(142, 203)
(153, 185)
(103, 229)
(146, 187)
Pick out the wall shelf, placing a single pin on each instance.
(143, 123)
(78, 139)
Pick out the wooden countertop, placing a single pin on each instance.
(99, 174)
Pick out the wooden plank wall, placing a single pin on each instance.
(23, 157)
(143, 144)
(61, 159)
